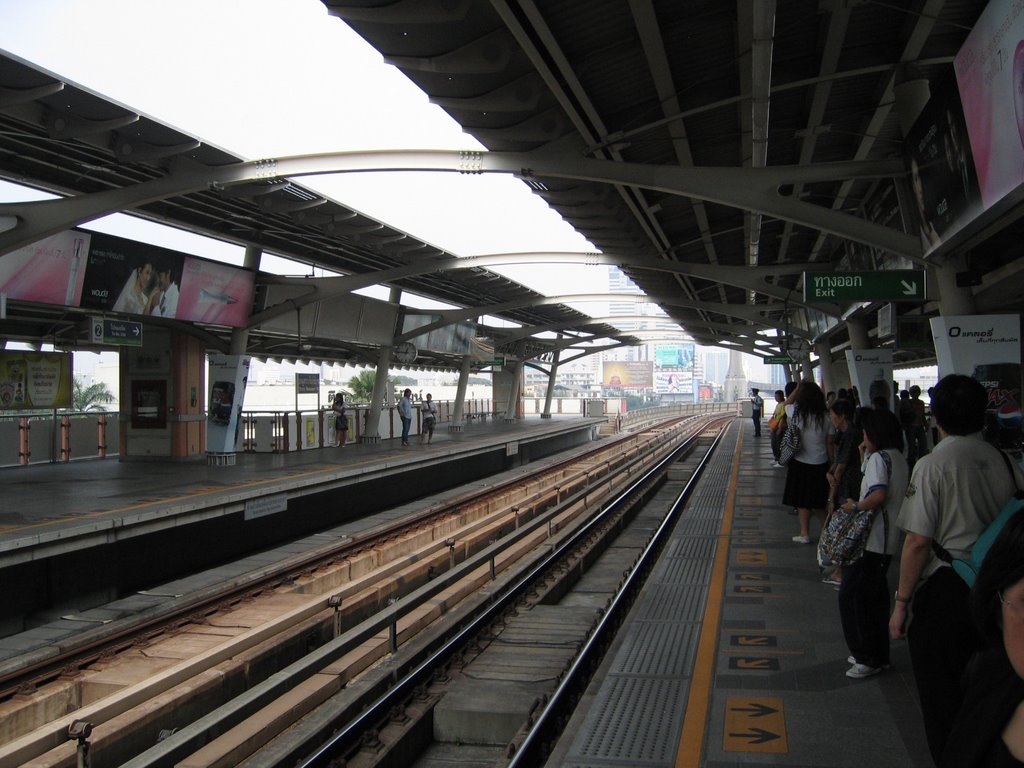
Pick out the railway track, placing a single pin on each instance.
(373, 620)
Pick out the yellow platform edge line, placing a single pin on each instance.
(695, 722)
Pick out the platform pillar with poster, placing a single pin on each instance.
(162, 380)
(871, 373)
(986, 347)
(228, 377)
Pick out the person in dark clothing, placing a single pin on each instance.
(989, 728)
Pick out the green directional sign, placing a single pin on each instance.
(778, 360)
(883, 285)
(105, 330)
(496, 361)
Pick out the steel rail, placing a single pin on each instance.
(348, 736)
(545, 727)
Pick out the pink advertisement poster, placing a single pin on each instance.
(49, 272)
(990, 77)
(215, 293)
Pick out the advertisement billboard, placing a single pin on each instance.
(674, 355)
(50, 271)
(627, 374)
(35, 380)
(990, 74)
(112, 274)
(986, 347)
(671, 382)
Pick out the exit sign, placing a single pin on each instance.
(883, 285)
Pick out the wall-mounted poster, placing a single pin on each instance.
(35, 380)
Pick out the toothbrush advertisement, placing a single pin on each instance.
(112, 274)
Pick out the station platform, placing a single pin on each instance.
(78, 535)
(734, 655)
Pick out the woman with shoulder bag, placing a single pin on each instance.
(806, 479)
(864, 590)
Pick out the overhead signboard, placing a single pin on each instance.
(882, 285)
(778, 360)
(106, 330)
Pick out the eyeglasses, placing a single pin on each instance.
(1016, 606)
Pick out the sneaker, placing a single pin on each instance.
(860, 671)
(802, 539)
(834, 581)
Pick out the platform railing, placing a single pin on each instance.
(48, 437)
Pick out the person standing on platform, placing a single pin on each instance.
(954, 493)
(429, 411)
(340, 421)
(989, 729)
(863, 589)
(758, 408)
(917, 445)
(777, 424)
(807, 478)
(405, 414)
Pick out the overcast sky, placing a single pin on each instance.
(280, 77)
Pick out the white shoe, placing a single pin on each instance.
(802, 539)
(860, 671)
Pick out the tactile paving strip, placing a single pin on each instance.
(637, 713)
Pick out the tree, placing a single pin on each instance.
(361, 386)
(91, 398)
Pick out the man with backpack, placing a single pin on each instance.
(954, 493)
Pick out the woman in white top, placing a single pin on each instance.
(807, 479)
(134, 297)
(864, 591)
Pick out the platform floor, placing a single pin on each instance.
(734, 654)
(44, 504)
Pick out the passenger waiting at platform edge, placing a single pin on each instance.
(989, 728)
(777, 424)
(844, 475)
(340, 420)
(757, 409)
(428, 410)
(954, 493)
(864, 589)
(807, 479)
(405, 414)
(914, 428)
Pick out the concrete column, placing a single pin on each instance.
(824, 351)
(552, 377)
(513, 391)
(806, 369)
(953, 300)
(380, 385)
(458, 422)
(372, 432)
(857, 328)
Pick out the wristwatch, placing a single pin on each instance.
(899, 599)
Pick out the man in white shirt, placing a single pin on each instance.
(954, 493)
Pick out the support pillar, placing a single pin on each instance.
(953, 300)
(857, 328)
(552, 378)
(380, 384)
(458, 422)
(824, 351)
(513, 391)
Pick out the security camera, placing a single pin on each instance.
(79, 729)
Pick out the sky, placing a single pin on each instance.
(281, 77)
